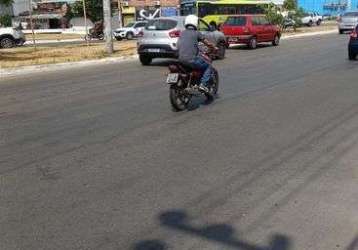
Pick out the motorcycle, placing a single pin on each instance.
(184, 83)
(96, 32)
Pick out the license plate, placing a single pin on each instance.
(233, 39)
(172, 78)
(154, 50)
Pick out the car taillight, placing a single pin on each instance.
(246, 30)
(354, 35)
(174, 33)
(140, 34)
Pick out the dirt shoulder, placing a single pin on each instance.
(25, 56)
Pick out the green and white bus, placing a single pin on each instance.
(215, 12)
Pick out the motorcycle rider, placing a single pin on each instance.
(188, 47)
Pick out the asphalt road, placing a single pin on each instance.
(94, 158)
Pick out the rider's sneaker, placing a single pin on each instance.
(203, 88)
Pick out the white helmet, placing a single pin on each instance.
(191, 20)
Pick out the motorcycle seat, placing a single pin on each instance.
(186, 66)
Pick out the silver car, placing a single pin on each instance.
(160, 37)
(348, 22)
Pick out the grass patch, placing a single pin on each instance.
(24, 56)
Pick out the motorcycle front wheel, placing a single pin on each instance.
(178, 99)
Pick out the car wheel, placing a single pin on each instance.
(145, 60)
(310, 23)
(318, 22)
(221, 51)
(253, 43)
(276, 40)
(129, 36)
(7, 42)
(118, 38)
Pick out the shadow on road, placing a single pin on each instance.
(354, 244)
(245, 47)
(223, 234)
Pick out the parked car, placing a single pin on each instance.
(312, 18)
(130, 31)
(348, 21)
(250, 30)
(353, 44)
(10, 37)
(160, 36)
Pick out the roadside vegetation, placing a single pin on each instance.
(25, 56)
(281, 16)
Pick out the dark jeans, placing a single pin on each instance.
(199, 63)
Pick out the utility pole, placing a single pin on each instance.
(32, 25)
(86, 25)
(120, 14)
(108, 25)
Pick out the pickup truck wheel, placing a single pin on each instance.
(276, 40)
(222, 50)
(253, 43)
(145, 60)
(118, 38)
(318, 22)
(310, 23)
(7, 42)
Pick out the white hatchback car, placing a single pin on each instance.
(160, 36)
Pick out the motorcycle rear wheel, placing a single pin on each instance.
(178, 100)
(214, 86)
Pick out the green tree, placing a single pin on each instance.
(290, 5)
(274, 15)
(6, 2)
(5, 20)
(94, 9)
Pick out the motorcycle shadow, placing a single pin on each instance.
(196, 102)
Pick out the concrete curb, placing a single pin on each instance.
(308, 34)
(29, 42)
(58, 66)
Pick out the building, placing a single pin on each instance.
(332, 7)
(139, 9)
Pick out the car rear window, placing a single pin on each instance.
(236, 21)
(354, 14)
(161, 24)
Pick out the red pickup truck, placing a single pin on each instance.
(250, 30)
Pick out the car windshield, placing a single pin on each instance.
(353, 14)
(161, 24)
(129, 25)
(236, 21)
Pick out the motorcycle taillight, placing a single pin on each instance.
(173, 68)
